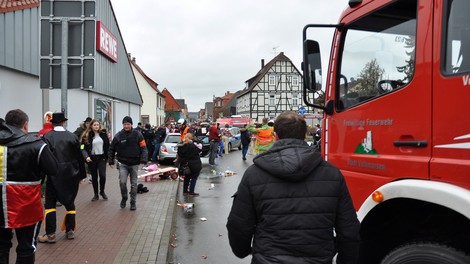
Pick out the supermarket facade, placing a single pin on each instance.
(66, 56)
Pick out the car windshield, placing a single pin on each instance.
(235, 130)
(173, 139)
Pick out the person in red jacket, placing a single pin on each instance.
(47, 126)
(214, 138)
(29, 158)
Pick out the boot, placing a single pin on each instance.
(105, 197)
(123, 202)
(95, 198)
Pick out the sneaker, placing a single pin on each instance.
(95, 198)
(193, 193)
(105, 197)
(133, 207)
(123, 202)
(70, 234)
(47, 238)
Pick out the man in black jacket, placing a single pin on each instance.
(293, 205)
(64, 186)
(131, 150)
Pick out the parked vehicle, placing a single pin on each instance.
(205, 145)
(234, 121)
(395, 105)
(168, 147)
(235, 141)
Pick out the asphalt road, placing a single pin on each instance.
(206, 241)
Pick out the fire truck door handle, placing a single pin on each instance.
(415, 143)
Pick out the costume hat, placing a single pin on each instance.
(58, 118)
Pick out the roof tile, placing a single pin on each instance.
(15, 5)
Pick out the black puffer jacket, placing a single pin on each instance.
(289, 202)
(190, 153)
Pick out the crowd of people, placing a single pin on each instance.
(60, 159)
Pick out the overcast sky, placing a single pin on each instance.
(201, 48)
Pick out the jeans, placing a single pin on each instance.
(221, 148)
(245, 149)
(213, 152)
(124, 172)
(190, 181)
(155, 152)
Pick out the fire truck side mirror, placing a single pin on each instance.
(312, 65)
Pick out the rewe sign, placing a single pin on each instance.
(106, 42)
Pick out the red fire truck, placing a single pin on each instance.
(396, 98)
(234, 121)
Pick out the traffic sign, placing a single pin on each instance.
(302, 110)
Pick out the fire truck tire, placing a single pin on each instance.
(425, 252)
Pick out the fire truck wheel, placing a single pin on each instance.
(425, 252)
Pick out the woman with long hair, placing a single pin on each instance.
(95, 144)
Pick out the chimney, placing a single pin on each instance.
(262, 63)
(133, 59)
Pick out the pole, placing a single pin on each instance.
(64, 64)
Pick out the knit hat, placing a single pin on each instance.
(127, 119)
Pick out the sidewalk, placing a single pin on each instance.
(108, 234)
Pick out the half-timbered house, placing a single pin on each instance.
(276, 88)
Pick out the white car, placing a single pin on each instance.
(235, 141)
(168, 148)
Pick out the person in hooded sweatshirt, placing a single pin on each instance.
(24, 159)
(292, 206)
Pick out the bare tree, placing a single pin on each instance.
(368, 78)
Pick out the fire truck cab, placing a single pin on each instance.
(396, 103)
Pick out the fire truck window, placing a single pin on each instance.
(457, 34)
(378, 54)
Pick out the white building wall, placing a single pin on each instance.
(134, 112)
(21, 91)
(149, 96)
(77, 106)
(160, 110)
